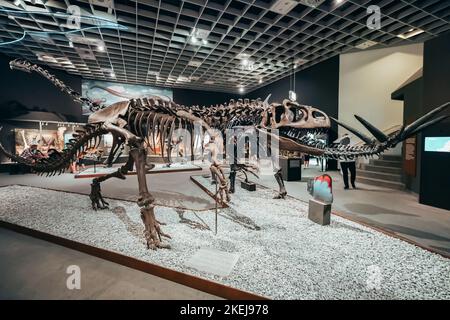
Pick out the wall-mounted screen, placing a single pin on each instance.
(107, 93)
(437, 144)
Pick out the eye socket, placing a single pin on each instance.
(297, 114)
(279, 111)
(318, 115)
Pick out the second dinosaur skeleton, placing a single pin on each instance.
(146, 122)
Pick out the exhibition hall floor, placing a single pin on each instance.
(278, 256)
(394, 211)
(36, 269)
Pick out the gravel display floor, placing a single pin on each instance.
(282, 254)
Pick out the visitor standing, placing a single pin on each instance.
(348, 165)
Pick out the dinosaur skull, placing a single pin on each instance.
(294, 116)
(296, 123)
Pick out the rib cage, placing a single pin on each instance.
(156, 120)
(88, 137)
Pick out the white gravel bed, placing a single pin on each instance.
(289, 257)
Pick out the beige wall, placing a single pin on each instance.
(368, 78)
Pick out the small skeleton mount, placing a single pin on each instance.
(147, 122)
(218, 176)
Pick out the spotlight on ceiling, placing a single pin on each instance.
(112, 75)
(194, 40)
(299, 62)
(100, 48)
(205, 42)
(241, 89)
(260, 80)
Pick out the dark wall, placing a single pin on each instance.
(435, 166)
(189, 97)
(412, 96)
(27, 91)
(316, 86)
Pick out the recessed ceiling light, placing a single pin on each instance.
(411, 33)
(241, 89)
(366, 44)
(209, 82)
(195, 63)
(242, 56)
(200, 33)
(194, 40)
(183, 79)
(101, 48)
(205, 42)
(112, 75)
(46, 57)
(85, 40)
(312, 3)
(260, 81)
(283, 6)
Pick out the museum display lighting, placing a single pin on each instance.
(366, 44)
(199, 36)
(411, 33)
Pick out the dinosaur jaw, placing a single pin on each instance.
(302, 140)
(299, 140)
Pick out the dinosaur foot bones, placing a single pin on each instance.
(153, 230)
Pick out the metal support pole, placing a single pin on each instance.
(215, 233)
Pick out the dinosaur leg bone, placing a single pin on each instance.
(152, 230)
(282, 194)
(96, 196)
(222, 192)
(115, 150)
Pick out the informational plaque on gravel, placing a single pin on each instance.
(213, 261)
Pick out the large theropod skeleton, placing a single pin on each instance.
(143, 123)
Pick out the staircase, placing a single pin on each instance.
(384, 172)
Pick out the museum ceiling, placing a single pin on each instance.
(219, 45)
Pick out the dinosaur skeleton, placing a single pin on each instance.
(144, 122)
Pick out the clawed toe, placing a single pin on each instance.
(281, 195)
